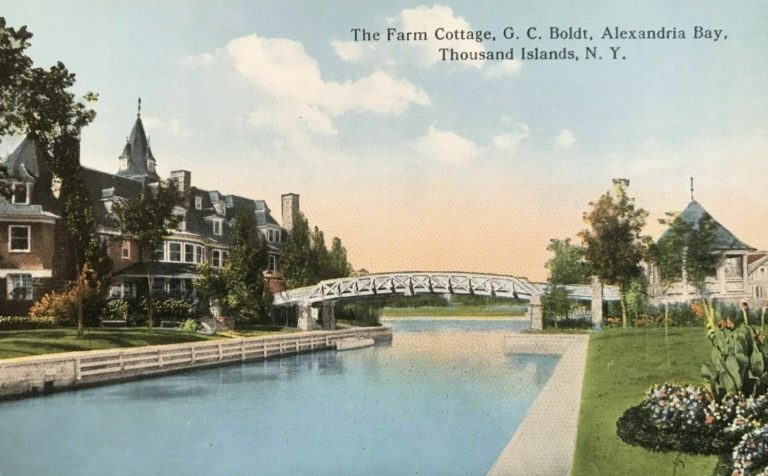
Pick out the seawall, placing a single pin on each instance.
(28, 376)
(545, 441)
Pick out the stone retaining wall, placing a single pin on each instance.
(27, 376)
(545, 441)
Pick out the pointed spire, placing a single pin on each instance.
(138, 114)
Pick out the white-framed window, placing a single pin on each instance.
(199, 254)
(20, 193)
(160, 252)
(174, 251)
(189, 253)
(198, 202)
(218, 257)
(217, 225)
(272, 263)
(121, 289)
(19, 238)
(271, 235)
(125, 250)
(182, 226)
(158, 285)
(19, 287)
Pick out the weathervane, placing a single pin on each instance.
(691, 188)
(138, 114)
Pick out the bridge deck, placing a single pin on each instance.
(412, 283)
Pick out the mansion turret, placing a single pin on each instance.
(34, 254)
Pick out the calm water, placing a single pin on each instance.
(431, 403)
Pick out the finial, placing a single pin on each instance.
(138, 114)
(691, 188)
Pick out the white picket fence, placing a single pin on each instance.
(148, 360)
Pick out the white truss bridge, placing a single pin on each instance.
(413, 283)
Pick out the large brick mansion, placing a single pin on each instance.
(34, 254)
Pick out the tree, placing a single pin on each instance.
(296, 261)
(247, 293)
(567, 265)
(33, 100)
(614, 245)
(338, 265)
(77, 218)
(320, 257)
(687, 252)
(36, 102)
(147, 220)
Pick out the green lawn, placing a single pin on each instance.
(450, 311)
(25, 343)
(621, 365)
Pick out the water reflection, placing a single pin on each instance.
(430, 402)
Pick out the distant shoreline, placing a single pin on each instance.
(455, 318)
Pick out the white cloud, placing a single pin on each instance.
(426, 53)
(510, 142)
(565, 138)
(352, 51)
(446, 147)
(300, 98)
(173, 126)
(428, 19)
(202, 59)
(504, 68)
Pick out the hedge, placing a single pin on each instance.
(19, 323)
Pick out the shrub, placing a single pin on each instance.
(17, 323)
(360, 313)
(63, 307)
(190, 325)
(568, 323)
(116, 310)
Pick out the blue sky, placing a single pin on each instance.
(418, 163)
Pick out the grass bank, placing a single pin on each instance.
(36, 342)
(451, 311)
(621, 365)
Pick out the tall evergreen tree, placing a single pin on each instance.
(296, 260)
(247, 293)
(338, 264)
(320, 258)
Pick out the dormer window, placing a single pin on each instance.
(20, 193)
(198, 202)
(217, 225)
(182, 226)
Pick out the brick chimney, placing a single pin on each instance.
(183, 179)
(290, 208)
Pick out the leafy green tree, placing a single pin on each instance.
(567, 265)
(338, 265)
(687, 252)
(614, 244)
(36, 101)
(147, 220)
(247, 293)
(296, 260)
(210, 284)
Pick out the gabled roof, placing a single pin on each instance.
(24, 162)
(138, 154)
(724, 239)
(105, 185)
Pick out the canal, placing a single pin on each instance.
(442, 398)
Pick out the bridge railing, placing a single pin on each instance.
(412, 283)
